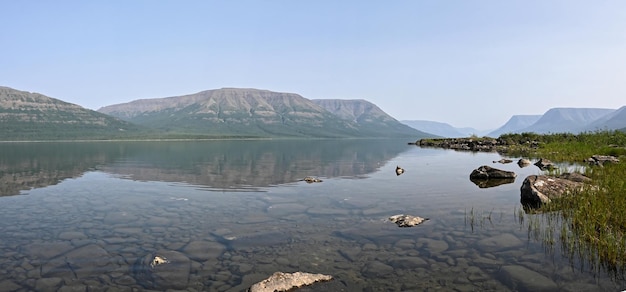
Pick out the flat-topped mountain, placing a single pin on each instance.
(27, 115)
(441, 129)
(370, 118)
(242, 112)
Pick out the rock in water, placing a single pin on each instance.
(399, 170)
(523, 162)
(280, 281)
(310, 179)
(487, 172)
(406, 220)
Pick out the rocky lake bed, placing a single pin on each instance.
(103, 231)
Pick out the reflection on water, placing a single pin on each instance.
(226, 214)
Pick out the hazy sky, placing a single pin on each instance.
(467, 63)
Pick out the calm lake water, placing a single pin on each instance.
(224, 215)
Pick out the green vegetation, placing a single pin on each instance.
(593, 219)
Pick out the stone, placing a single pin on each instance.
(48, 284)
(203, 250)
(520, 278)
(433, 246)
(523, 162)
(407, 220)
(503, 161)
(310, 179)
(499, 242)
(487, 172)
(280, 281)
(71, 235)
(46, 250)
(540, 189)
(544, 164)
(376, 269)
(600, 160)
(171, 273)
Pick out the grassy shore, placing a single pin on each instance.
(594, 218)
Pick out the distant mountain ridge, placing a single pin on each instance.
(514, 124)
(441, 129)
(251, 112)
(27, 115)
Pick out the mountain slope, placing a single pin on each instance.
(438, 128)
(236, 112)
(514, 124)
(566, 120)
(612, 121)
(371, 119)
(27, 116)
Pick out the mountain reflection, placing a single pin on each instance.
(241, 164)
(223, 164)
(24, 166)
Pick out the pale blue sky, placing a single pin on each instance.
(467, 63)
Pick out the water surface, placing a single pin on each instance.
(89, 216)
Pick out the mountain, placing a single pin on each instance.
(440, 129)
(239, 112)
(514, 124)
(371, 119)
(27, 116)
(566, 120)
(613, 121)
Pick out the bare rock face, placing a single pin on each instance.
(406, 220)
(487, 172)
(540, 189)
(280, 281)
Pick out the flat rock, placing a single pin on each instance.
(499, 242)
(280, 281)
(406, 220)
(203, 250)
(520, 278)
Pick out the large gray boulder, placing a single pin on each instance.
(541, 189)
(487, 172)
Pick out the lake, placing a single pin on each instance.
(223, 215)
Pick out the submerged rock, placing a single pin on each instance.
(487, 172)
(163, 270)
(407, 220)
(280, 281)
(544, 164)
(523, 279)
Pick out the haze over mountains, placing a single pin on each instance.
(242, 113)
(555, 120)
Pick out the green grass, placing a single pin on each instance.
(594, 218)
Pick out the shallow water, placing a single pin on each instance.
(89, 216)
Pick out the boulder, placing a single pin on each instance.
(487, 172)
(544, 164)
(163, 270)
(310, 179)
(541, 189)
(523, 162)
(600, 160)
(503, 161)
(406, 220)
(280, 281)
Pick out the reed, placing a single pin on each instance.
(593, 224)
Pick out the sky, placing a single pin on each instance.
(466, 63)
